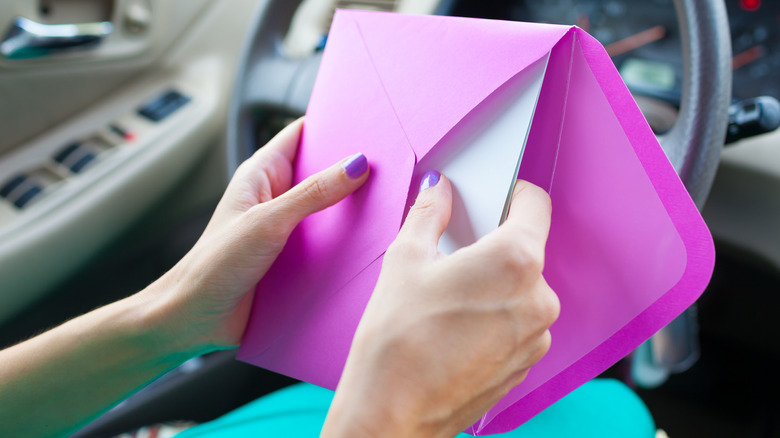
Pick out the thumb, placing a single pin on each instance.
(321, 190)
(430, 214)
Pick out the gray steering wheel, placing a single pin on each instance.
(270, 83)
(694, 143)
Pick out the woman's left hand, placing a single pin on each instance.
(75, 371)
(207, 296)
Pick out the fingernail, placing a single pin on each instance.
(355, 165)
(430, 179)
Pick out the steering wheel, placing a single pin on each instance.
(694, 143)
(270, 84)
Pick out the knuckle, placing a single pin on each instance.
(506, 252)
(315, 190)
(403, 247)
(253, 163)
(518, 378)
(518, 260)
(257, 215)
(268, 222)
(395, 249)
(247, 164)
(542, 347)
(549, 307)
(533, 350)
(243, 169)
(529, 263)
(422, 209)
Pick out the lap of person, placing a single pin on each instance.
(600, 408)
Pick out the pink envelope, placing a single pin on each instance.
(628, 250)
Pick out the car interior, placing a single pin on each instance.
(121, 122)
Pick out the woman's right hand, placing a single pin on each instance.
(444, 337)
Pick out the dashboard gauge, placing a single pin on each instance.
(644, 41)
(642, 37)
(756, 47)
(643, 74)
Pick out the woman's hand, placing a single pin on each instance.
(444, 337)
(206, 298)
(77, 370)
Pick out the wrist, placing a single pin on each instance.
(358, 420)
(163, 320)
(364, 407)
(379, 399)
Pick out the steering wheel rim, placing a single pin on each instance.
(696, 140)
(269, 81)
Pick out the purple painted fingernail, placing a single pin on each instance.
(430, 179)
(355, 165)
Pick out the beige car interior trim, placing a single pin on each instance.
(113, 152)
(196, 47)
(38, 94)
(45, 242)
(743, 209)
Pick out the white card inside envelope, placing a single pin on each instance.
(483, 170)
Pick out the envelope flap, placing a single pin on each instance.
(348, 113)
(435, 70)
(628, 250)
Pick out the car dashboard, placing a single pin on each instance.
(645, 44)
(644, 41)
(729, 391)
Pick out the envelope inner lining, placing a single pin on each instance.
(613, 250)
(481, 155)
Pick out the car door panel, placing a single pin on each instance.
(49, 104)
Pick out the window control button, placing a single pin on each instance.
(66, 152)
(163, 105)
(121, 132)
(82, 162)
(11, 185)
(75, 156)
(27, 196)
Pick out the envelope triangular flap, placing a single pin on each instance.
(348, 113)
(315, 350)
(627, 251)
(481, 155)
(436, 70)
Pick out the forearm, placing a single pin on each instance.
(370, 417)
(379, 405)
(58, 381)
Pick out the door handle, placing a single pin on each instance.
(28, 39)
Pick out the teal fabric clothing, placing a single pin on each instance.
(602, 408)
